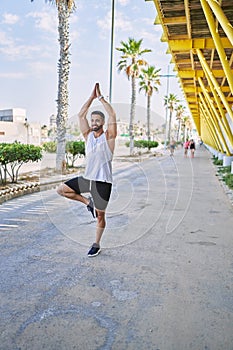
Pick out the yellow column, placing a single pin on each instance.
(214, 81)
(215, 112)
(223, 20)
(218, 44)
(207, 136)
(207, 118)
(209, 131)
(222, 115)
(216, 129)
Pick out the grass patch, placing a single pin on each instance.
(224, 169)
(224, 172)
(217, 161)
(228, 179)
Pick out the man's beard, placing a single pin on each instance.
(96, 127)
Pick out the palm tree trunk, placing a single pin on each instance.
(178, 131)
(63, 76)
(169, 126)
(148, 117)
(132, 114)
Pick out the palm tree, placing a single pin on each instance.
(64, 9)
(187, 124)
(179, 114)
(170, 102)
(131, 63)
(149, 80)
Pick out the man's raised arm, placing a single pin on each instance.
(112, 124)
(82, 115)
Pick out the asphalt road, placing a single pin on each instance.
(163, 280)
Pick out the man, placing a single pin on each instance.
(172, 147)
(97, 179)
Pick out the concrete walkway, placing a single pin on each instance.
(163, 280)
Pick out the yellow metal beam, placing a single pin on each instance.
(222, 116)
(190, 44)
(206, 134)
(191, 99)
(216, 128)
(175, 20)
(187, 13)
(218, 44)
(215, 83)
(216, 117)
(190, 89)
(221, 17)
(230, 62)
(163, 38)
(216, 141)
(157, 20)
(215, 86)
(189, 73)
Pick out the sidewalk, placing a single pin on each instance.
(163, 280)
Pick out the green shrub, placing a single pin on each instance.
(224, 169)
(217, 161)
(143, 144)
(50, 147)
(13, 156)
(74, 150)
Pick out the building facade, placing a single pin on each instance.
(14, 127)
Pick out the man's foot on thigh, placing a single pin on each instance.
(90, 207)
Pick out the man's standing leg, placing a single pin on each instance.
(100, 226)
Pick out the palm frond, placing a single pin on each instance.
(149, 80)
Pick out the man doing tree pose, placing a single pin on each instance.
(97, 179)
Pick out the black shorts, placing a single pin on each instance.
(99, 190)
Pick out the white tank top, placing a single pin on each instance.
(98, 158)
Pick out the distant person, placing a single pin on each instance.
(186, 147)
(192, 148)
(97, 179)
(172, 147)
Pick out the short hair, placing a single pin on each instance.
(101, 114)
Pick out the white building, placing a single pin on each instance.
(14, 126)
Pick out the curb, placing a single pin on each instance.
(19, 190)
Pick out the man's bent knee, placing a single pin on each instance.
(59, 190)
(62, 190)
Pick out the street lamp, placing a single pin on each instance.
(26, 124)
(167, 76)
(111, 52)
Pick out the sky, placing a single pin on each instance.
(29, 53)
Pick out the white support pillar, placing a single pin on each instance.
(227, 160)
(220, 156)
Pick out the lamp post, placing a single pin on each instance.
(26, 124)
(111, 52)
(167, 76)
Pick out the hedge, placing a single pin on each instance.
(144, 144)
(13, 156)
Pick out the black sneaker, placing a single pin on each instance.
(95, 250)
(90, 207)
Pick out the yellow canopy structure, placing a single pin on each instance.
(199, 34)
